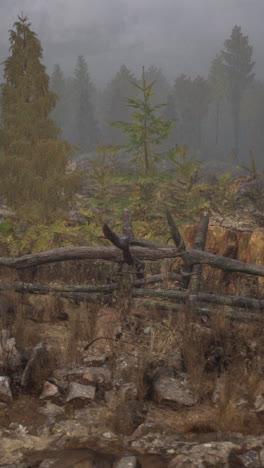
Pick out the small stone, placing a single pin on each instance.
(127, 462)
(93, 375)
(10, 357)
(109, 435)
(249, 459)
(5, 391)
(49, 390)
(36, 368)
(92, 360)
(175, 390)
(48, 463)
(51, 411)
(77, 390)
(259, 403)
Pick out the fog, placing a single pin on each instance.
(181, 36)
(177, 37)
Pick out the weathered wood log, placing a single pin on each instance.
(70, 290)
(180, 296)
(113, 254)
(234, 301)
(231, 314)
(199, 244)
(31, 288)
(175, 233)
(187, 268)
(122, 243)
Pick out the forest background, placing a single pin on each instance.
(138, 143)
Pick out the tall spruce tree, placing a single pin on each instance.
(58, 86)
(86, 125)
(115, 108)
(33, 176)
(147, 130)
(218, 82)
(192, 99)
(237, 58)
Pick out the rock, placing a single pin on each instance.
(5, 391)
(51, 411)
(10, 357)
(13, 447)
(128, 391)
(214, 454)
(77, 390)
(92, 375)
(259, 403)
(36, 369)
(173, 390)
(156, 427)
(93, 360)
(127, 462)
(49, 390)
(184, 461)
(48, 463)
(128, 416)
(247, 459)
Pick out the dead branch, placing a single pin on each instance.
(115, 255)
(233, 301)
(175, 234)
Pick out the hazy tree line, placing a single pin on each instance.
(217, 115)
(46, 121)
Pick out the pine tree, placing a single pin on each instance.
(237, 58)
(192, 99)
(86, 125)
(33, 176)
(58, 86)
(162, 87)
(147, 130)
(219, 88)
(252, 112)
(115, 108)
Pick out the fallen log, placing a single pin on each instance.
(180, 296)
(233, 301)
(30, 288)
(113, 254)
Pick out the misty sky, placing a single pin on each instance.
(181, 36)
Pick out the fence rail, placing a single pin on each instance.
(135, 251)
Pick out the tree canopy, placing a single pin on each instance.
(33, 161)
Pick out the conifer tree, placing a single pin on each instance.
(147, 130)
(237, 58)
(33, 176)
(58, 86)
(86, 129)
(219, 88)
(192, 99)
(115, 108)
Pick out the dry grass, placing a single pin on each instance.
(215, 352)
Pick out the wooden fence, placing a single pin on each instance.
(133, 251)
